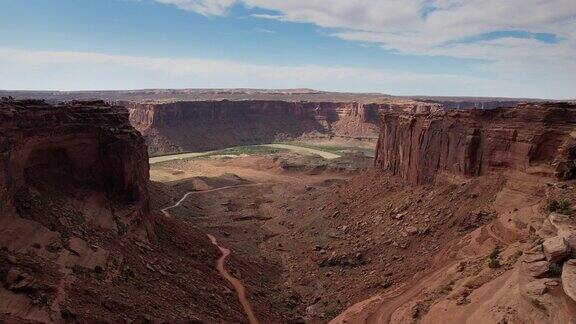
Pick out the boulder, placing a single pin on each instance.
(555, 249)
(412, 230)
(566, 228)
(537, 269)
(569, 278)
(529, 258)
(536, 287)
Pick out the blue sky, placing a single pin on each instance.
(431, 47)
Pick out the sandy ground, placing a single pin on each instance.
(340, 251)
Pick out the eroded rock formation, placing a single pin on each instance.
(532, 138)
(203, 125)
(80, 241)
(81, 157)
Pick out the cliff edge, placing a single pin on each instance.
(532, 138)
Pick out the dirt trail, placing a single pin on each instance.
(305, 150)
(179, 202)
(237, 284)
(294, 148)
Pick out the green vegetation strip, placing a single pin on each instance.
(327, 152)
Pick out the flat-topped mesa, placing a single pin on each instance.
(78, 157)
(531, 138)
(203, 125)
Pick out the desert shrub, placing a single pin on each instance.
(495, 257)
(447, 288)
(128, 273)
(98, 269)
(494, 263)
(463, 301)
(514, 257)
(563, 207)
(495, 254)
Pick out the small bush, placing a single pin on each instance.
(562, 207)
(447, 288)
(494, 263)
(98, 269)
(495, 254)
(463, 301)
(495, 258)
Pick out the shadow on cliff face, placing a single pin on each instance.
(208, 125)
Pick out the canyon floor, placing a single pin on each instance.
(312, 242)
(459, 217)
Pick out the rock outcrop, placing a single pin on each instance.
(82, 158)
(204, 125)
(569, 278)
(555, 249)
(531, 138)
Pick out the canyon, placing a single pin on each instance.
(172, 120)
(463, 214)
(176, 126)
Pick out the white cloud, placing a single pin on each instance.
(401, 24)
(57, 70)
(203, 7)
(443, 27)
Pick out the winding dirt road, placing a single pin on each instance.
(294, 148)
(237, 284)
(179, 202)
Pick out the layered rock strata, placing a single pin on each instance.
(204, 125)
(531, 138)
(81, 154)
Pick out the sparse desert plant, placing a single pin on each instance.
(447, 288)
(128, 273)
(495, 254)
(495, 257)
(463, 301)
(562, 207)
(494, 263)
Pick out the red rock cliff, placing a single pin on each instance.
(82, 157)
(533, 138)
(203, 125)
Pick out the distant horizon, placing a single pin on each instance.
(293, 90)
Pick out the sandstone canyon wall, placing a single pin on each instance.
(205, 125)
(80, 241)
(81, 156)
(532, 138)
